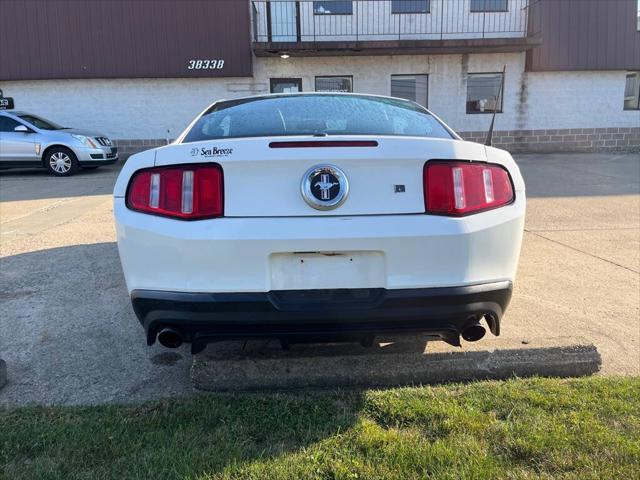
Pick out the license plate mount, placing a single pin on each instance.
(327, 270)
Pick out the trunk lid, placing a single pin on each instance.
(263, 181)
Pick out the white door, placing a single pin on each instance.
(283, 21)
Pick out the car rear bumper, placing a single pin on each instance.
(201, 318)
(315, 253)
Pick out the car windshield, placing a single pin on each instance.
(40, 123)
(331, 114)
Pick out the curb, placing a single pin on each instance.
(221, 368)
(3, 373)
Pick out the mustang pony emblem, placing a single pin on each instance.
(325, 186)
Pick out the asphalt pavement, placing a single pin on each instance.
(69, 336)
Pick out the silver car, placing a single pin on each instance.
(27, 140)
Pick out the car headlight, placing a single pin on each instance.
(85, 140)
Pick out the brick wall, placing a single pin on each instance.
(126, 148)
(623, 139)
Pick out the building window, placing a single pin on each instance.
(489, 5)
(632, 91)
(334, 84)
(285, 85)
(410, 6)
(333, 7)
(483, 90)
(411, 87)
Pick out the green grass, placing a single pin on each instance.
(539, 428)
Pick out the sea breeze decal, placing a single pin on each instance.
(211, 152)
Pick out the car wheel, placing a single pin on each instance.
(61, 162)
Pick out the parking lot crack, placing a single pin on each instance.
(580, 251)
(594, 229)
(45, 208)
(52, 216)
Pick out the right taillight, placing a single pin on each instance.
(462, 188)
(186, 192)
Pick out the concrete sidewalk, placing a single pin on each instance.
(69, 335)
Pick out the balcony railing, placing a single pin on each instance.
(288, 21)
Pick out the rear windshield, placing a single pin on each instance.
(315, 115)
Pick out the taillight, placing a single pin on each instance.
(462, 188)
(188, 192)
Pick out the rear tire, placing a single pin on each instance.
(61, 162)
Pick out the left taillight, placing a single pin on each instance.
(186, 192)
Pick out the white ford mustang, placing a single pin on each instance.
(318, 216)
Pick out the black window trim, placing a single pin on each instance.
(412, 13)
(273, 80)
(315, 82)
(471, 10)
(408, 75)
(330, 14)
(27, 123)
(637, 107)
(501, 96)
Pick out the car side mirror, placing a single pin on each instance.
(22, 128)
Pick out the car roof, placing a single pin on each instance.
(13, 112)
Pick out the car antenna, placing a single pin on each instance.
(489, 140)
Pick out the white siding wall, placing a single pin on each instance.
(122, 108)
(531, 100)
(577, 99)
(147, 108)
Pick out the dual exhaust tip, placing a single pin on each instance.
(170, 338)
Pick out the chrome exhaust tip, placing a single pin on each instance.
(473, 332)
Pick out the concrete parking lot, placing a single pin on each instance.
(69, 335)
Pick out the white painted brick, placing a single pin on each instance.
(162, 108)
